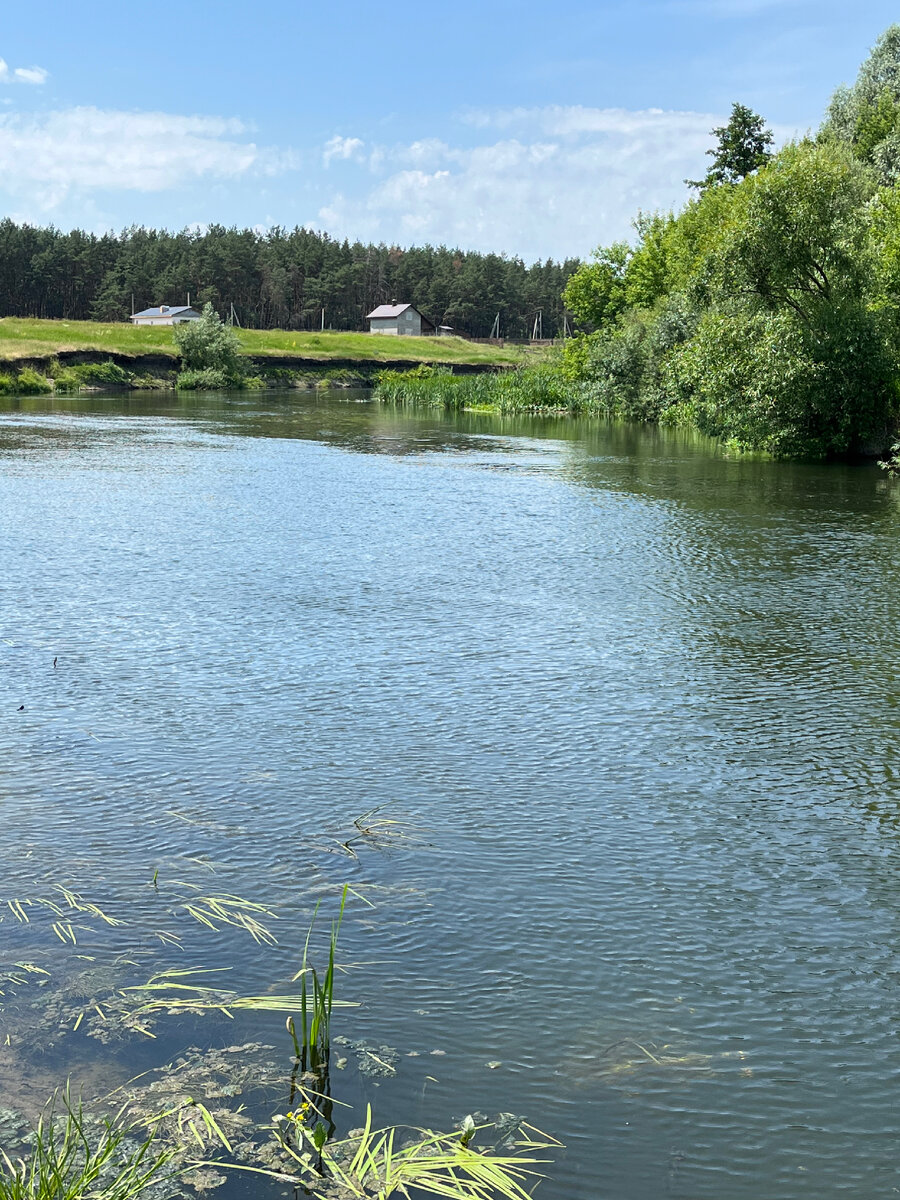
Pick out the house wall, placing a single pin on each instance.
(383, 325)
(164, 320)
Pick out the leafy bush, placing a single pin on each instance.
(210, 379)
(66, 380)
(71, 379)
(33, 382)
(209, 345)
(623, 368)
(766, 381)
(108, 372)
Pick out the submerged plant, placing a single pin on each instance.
(73, 1158)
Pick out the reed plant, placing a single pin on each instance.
(379, 1163)
(73, 1159)
(537, 388)
(313, 1046)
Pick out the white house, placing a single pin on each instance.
(164, 315)
(397, 319)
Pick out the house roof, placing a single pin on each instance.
(390, 310)
(164, 310)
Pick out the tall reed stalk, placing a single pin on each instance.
(313, 1047)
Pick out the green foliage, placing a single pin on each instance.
(107, 372)
(768, 381)
(72, 379)
(797, 235)
(32, 382)
(210, 379)
(767, 313)
(544, 387)
(624, 368)
(743, 147)
(74, 1159)
(875, 123)
(865, 116)
(647, 275)
(380, 1163)
(596, 292)
(313, 1047)
(209, 345)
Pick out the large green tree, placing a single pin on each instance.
(742, 147)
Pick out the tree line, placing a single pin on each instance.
(765, 313)
(280, 279)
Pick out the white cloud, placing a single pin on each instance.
(544, 182)
(90, 149)
(35, 75)
(341, 148)
(560, 181)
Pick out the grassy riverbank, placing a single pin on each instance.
(28, 339)
(539, 387)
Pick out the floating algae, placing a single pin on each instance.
(372, 1060)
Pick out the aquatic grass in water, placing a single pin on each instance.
(72, 1159)
(313, 1048)
(213, 911)
(375, 1164)
(536, 388)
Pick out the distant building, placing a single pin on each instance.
(164, 315)
(399, 319)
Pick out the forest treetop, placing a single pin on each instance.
(276, 279)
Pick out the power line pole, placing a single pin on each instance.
(537, 333)
(495, 328)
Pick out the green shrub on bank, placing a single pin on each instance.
(107, 372)
(71, 379)
(209, 379)
(208, 345)
(623, 369)
(28, 381)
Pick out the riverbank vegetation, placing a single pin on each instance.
(540, 387)
(766, 313)
(24, 340)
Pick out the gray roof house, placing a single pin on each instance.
(165, 315)
(399, 319)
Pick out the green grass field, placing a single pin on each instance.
(22, 338)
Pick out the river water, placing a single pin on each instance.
(632, 705)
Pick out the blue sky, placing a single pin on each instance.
(502, 126)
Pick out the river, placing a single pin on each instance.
(633, 706)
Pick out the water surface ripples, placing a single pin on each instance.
(643, 699)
